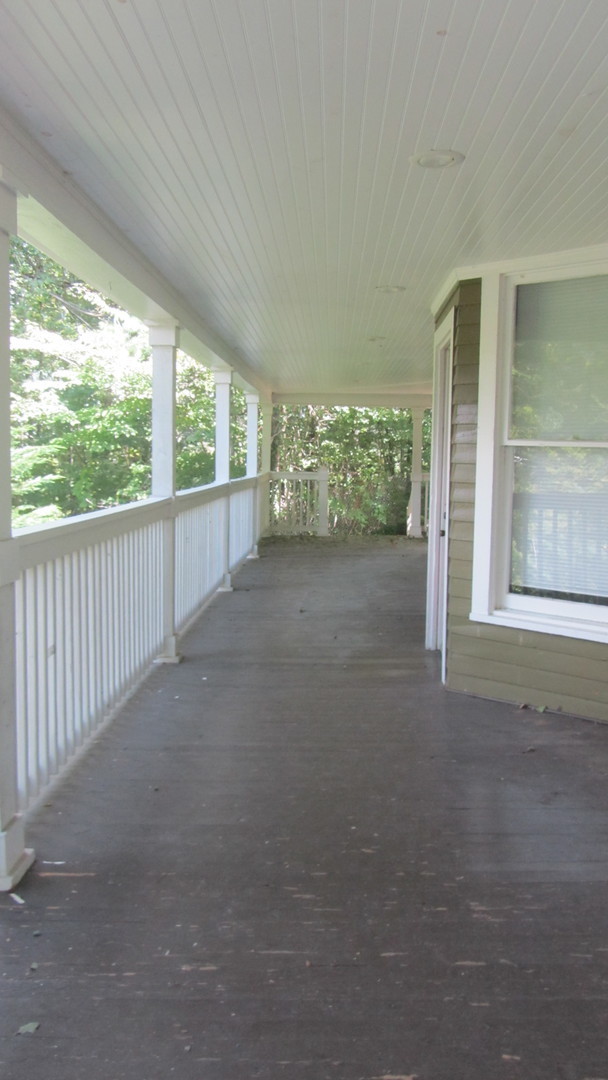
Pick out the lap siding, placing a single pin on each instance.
(542, 670)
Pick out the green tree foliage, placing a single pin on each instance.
(368, 453)
(81, 399)
(195, 426)
(80, 382)
(81, 415)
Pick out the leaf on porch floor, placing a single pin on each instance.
(28, 1029)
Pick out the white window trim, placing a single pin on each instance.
(491, 603)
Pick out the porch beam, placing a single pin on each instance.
(15, 858)
(418, 396)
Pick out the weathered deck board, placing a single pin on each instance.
(296, 855)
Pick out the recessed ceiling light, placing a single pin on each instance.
(438, 159)
(390, 288)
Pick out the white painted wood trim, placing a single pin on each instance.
(164, 341)
(415, 508)
(41, 543)
(15, 858)
(252, 403)
(571, 628)
(592, 259)
(487, 450)
(419, 397)
(223, 380)
(491, 602)
(440, 453)
(266, 411)
(8, 224)
(55, 214)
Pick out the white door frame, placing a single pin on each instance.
(437, 574)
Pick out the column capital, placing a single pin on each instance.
(163, 334)
(252, 398)
(223, 377)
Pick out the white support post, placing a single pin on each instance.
(266, 413)
(323, 501)
(164, 341)
(15, 858)
(223, 383)
(253, 402)
(414, 526)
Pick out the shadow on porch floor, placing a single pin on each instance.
(296, 855)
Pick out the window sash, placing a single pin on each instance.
(492, 602)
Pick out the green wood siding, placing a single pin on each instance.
(540, 670)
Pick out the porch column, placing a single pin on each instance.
(253, 402)
(164, 341)
(323, 501)
(266, 412)
(223, 383)
(15, 858)
(414, 527)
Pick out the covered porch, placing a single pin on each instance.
(296, 854)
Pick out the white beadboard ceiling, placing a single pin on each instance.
(258, 153)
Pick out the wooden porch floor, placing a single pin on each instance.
(296, 855)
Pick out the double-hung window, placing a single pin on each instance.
(541, 539)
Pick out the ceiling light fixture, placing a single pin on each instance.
(390, 288)
(438, 159)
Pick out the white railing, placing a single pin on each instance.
(298, 502)
(242, 538)
(419, 502)
(199, 554)
(426, 498)
(89, 610)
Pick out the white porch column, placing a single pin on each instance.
(323, 501)
(164, 341)
(266, 412)
(253, 402)
(414, 527)
(223, 383)
(15, 858)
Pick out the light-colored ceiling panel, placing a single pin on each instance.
(259, 153)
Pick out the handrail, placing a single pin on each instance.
(100, 597)
(38, 543)
(304, 499)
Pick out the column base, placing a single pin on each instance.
(8, 881)
(170, 654)
(15, 859)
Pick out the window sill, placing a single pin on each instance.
(585, 630)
